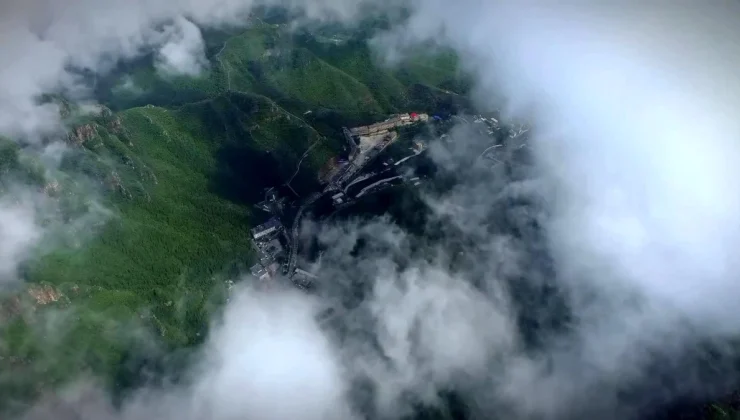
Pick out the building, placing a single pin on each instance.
(338, 198)
(272, 202)
(305, 273)
(271, 250)
(419, 146)
(265, 260)
(348, 135)
(303, 278)
(262, 231)
(260, 272)
(272, 269)
(414, 117)
(384, 126)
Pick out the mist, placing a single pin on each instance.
(634, 137)
(19, 233)
(184, 53)
(632, 108)
(46, 45)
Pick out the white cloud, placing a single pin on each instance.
(184, 51)
(42, 40)
(266, 359)
(635, 132)
(269, 358)
(19, 233)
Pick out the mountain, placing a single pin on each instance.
(175, 165)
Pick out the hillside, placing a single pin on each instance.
(299, 71)
(172, 168)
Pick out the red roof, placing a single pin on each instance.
(414, 115)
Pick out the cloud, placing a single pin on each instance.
(19, 233)
(45, 44)
(632, 110)
(584, 285)
(184, 51)
(267, 357)
(36, 220)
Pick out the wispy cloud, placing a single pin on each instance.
(19, 232)
(184, 51)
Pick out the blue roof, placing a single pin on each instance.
(273, 222)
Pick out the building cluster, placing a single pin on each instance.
(493, 125)
(367, 141)
(277, 248)
(395, 121)
(271, 251)
(303, 278)
(267, 229)
(366, 149)
(490, 123)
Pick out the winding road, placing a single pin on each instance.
(295, 229)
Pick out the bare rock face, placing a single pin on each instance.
(44, 295)
(11, 308)
(115, 125)
(52, 188)
(114, 183)
(83, 133)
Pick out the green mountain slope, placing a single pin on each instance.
(265, 59)
(177, 168)
(180, 184)
(299, 71)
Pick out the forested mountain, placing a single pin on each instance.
(175, 164)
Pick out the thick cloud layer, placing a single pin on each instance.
(272, 361)
(633, 107)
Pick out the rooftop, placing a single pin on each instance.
(268, 227)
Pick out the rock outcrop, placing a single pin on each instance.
(82, 133)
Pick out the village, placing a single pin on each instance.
(277, 247)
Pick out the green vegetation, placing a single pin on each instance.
(156, 193)
(176, 164)
(300, 72)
